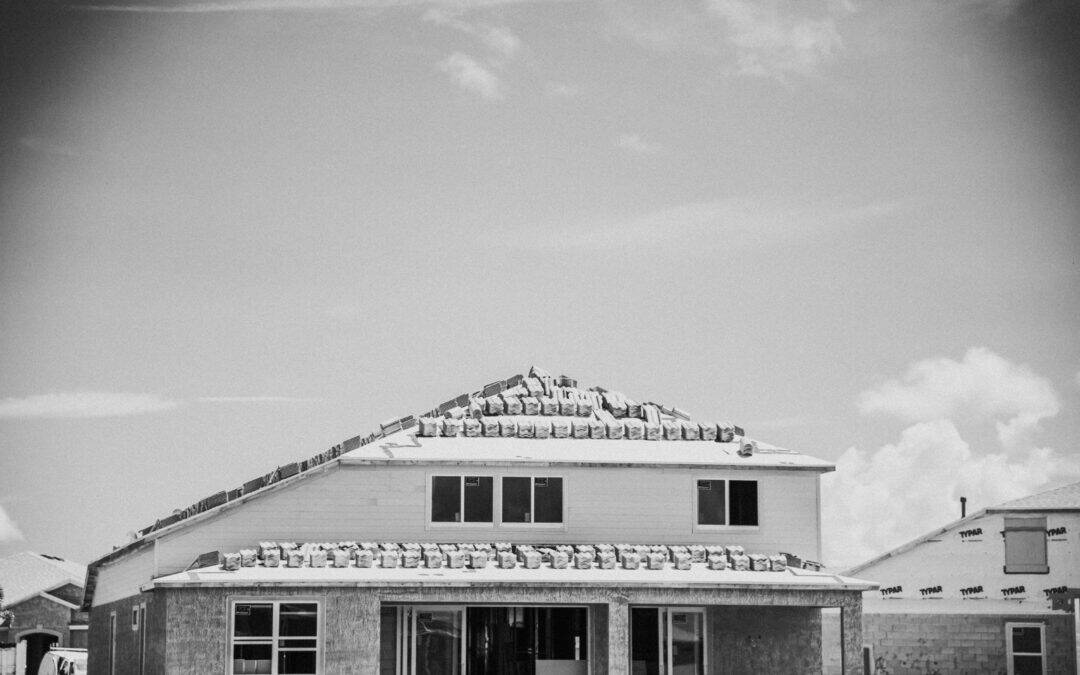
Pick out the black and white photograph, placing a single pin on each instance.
(539, 337)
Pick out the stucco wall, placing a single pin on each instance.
(764, 640)
(38, 611)
(128, 641)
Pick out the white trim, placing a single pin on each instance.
(1009, 654)
(78, 627)
(276, 601)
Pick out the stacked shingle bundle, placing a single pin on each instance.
(502, 555)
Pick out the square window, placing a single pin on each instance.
(462, 499)
(1025, 546)
(723, 502)
(533, 499)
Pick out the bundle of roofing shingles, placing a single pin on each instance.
(507, 556)
(541, 406)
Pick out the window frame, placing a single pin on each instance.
(496, 502)
(275, 638)
(1010, 654)
(1035, 524)
(727, 526)
(532, 524)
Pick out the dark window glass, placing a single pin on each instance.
(298, 620)
(1027, 639)
(249, 652)
(547, 498)
(644, 640)
(744, 502)
(1027, 665)
(562, 633)
(253, 620)
(297, 663)
(478, 501)
(515, 500)
(445, 499)
(710, 505)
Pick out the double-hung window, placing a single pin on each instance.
(1025, 545)
(727, 502)
(275, 638)
(462, 499)
(532, 499)
(1025, 647)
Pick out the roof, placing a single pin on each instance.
(384, 566)
(27, 574)
(1065, 498)
(485, 426)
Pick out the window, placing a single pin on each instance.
(112, 643)
(457, 499)
(722, 502)
(135, 617)
(1025, 646)
(1025, 546)
(275, 638)
(532, 499)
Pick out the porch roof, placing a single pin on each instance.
(698, 576)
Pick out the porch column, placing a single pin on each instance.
(851, 636)
(618, 623)
(352, 641)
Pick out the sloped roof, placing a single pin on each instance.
(26, 574)
(1065, 498)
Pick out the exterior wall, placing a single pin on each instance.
(764, 639)
(128, 641)
(956, 562)
(964, 644)
(124, 577)
(39, 613)
(388, 503)
(198, 622)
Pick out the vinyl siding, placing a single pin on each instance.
(389, 503)
(122, 579)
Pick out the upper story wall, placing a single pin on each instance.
(971, 556)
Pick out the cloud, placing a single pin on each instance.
(728, 224)
(84, 404)
(983, 384)
(876, 501)
(637, 145)
(770, 40)
(280, 5)
(9, 531)
(471, 75)
(498, 39)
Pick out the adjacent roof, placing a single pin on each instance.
(1065, 498)
(27, 574)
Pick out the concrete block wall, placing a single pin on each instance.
(38, 611)
(764, 639)
(960, 644)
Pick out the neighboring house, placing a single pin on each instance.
(994, 592)
(44, 594)
(492, 535)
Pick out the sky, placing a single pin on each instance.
(236, 232)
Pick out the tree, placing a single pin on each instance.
(5, 614)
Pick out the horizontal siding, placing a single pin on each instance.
(376, 503)
(123, 578)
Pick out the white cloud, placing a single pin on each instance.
(637, 145)
(84, 404)
(982, 384)
(771, 41)
(472, 75)
(876, 501)
(499, 39)
(9, 531)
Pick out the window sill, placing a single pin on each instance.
(460, 526)
(745, 529)
(532, 526)
(1034, 570)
